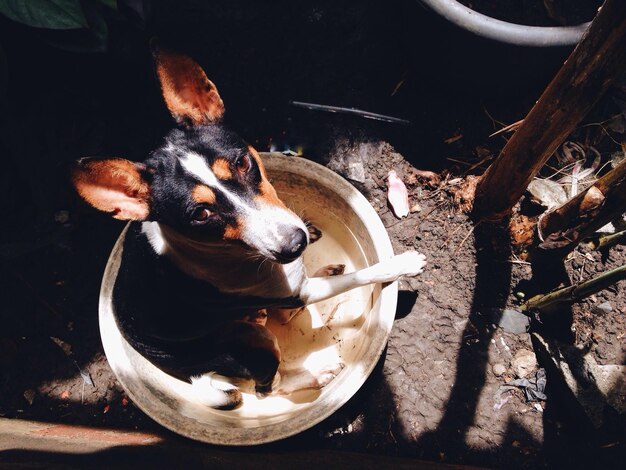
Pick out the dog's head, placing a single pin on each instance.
(204, 182)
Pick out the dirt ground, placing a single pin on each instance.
(434, 394)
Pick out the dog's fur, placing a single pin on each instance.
(210, 249)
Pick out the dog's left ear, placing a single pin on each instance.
(189, 95)
(116, 186)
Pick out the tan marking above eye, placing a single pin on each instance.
(221, 169)
(232, 232)
(203, 194)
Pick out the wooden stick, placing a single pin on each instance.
(575, 292)
(588, 72)
(566, 226)
(608, 241)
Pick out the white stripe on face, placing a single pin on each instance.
(265, 226)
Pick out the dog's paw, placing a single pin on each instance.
(259, 317)
(330, 270)
(327, 374)
(302, 379)
(215, 391)
(314, 233)
(410, 263)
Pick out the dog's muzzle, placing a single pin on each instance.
(294, 245)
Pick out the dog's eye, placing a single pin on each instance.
(243, 164)
(201, 215)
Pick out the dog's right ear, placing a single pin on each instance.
(188, 93)
(116, 186)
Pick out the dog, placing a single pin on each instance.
(211, 250)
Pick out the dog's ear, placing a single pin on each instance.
(189, 95)
(115, 185)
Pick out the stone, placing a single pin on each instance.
(603, 308)
(524, 363)
(498, 369)
(510, 320)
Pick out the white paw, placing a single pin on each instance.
(410, 263)
(327, 374)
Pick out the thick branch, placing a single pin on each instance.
(588, 72)
(568, 225)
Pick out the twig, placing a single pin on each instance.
(510, 127)
(576, 292)
(353, 111)
(450, 236)
(465, 238)
(608, 241)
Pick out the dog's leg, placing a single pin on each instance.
(316, 289)
(285, 315)
(215, 391)
(292, 380)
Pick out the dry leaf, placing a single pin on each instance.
(397, 195)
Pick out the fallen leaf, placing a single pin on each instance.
(397, 195)
(29, 395)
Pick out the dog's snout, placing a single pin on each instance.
(294, 245)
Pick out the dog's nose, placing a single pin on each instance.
(294, 245)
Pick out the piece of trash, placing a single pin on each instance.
(289, 153)
(603, 308)
(66, 347)
(397, 195)
(30, 395)
(85, 375)
(502, 399)
(547, 193)
(65, 395)
(534, 388)
(124, 401)
(106, 409)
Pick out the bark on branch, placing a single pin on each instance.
(588, 72)
(568, 225)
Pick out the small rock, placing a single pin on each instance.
(498, 369)
(603, 308)
(510, 320)
(524, 363)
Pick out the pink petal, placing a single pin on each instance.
(397, 195)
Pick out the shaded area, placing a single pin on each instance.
(387, 57)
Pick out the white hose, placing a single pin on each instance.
(510, 33)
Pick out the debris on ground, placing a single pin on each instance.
(397, 195)
(533, 388)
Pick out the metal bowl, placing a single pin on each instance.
(352, 328)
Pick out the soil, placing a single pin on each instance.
(433, 395)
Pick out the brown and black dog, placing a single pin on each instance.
(210, 249)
